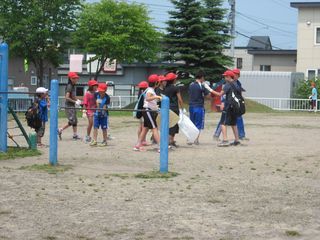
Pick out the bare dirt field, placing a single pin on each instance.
(268, 188)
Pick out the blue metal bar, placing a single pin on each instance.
(4, 58)
(53, 158)
(164, 133)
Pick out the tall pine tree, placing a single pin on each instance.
(215, 38)
(195, 36)
(185, 30)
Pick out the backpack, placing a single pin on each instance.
(33, 117)
(237, 103)
(139, 106)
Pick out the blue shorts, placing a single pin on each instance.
(99, 121)
(197, 116)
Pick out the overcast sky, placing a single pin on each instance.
(274, 18)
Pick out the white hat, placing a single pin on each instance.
(41, 90)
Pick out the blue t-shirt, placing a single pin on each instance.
(314, 94)
(196, 94)
(43, 109)
(105, 101)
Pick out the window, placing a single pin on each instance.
(265, 68)
(311, 74)
(79, 91)
(239, 63)
(317, 35)
(34, 80)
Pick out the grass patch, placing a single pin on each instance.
(15, 152)
(47, 168)
(292, 233)
(156, 174)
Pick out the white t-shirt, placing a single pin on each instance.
(150, 104)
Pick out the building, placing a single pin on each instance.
(259, 55)
(308, 38)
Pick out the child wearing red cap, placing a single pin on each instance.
(149, 118)
(228, 118)
(89, 103)
(100, 118)
(70, 103)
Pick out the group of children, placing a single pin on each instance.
(96, 102)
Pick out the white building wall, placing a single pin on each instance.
(247, 59)
(308, 51)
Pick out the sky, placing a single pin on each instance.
(273, 18)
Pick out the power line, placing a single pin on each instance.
(264, 24)
(256, 40)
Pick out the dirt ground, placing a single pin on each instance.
(268, 188)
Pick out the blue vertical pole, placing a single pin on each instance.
(54, 91)
(164, 133)
(4, 58)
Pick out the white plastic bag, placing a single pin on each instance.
(188, 128)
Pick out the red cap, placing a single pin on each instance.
(92, 83)
(228, 73)
(236, 71)
(143, 84)
(162, 78)
(153, 78)
(102, 87)
(171, 76)
(73, 75)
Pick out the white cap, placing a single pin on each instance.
(41, 90)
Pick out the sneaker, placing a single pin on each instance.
(60, 133)
(138, 148)
(235, 143)
(196, 142)
(244, 139)
(87, 139)
(216, 138)
(93, 143)
(189, 143)
(224, 144)
(103, 144)
(173, 144)
(144, 143)
(76, 137)
(109, 137)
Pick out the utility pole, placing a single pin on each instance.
(233, 28)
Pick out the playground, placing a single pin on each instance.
(267, 188)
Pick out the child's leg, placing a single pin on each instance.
(105, 135)
(142, 136)
(224, 132)
(156, 135)
(235, 132)
(90, 124)
(95, 134)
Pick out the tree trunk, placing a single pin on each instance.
(40, 71)
(99, 69)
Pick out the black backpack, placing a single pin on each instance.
(139, 106)
(237, 103)
(33, 117)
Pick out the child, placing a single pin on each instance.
(42, 102)
(314, 96)
(141, 95)
(149, 118)
(229, 118)
(89, 103)
(101, 115)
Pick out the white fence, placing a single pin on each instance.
(118, 102)
(284, 104)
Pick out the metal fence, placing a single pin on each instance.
(284, 104)
(20, 104)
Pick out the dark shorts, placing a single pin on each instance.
(40, 131)
(175, 129)
(149, 119)
(314, 103)
(99, 121)
(72, 117)
(228, 118)
(197, 116)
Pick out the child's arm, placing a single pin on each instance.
(151, 97)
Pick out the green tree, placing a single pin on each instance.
(38, 30)
(117, 30)
(303, 88)
(196, 37)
